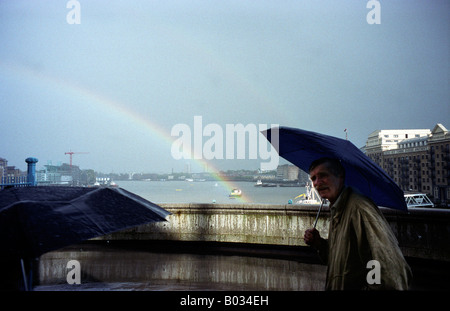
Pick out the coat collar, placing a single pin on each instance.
(339, 206)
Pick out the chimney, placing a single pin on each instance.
(31, 177)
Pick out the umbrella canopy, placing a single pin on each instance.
(36, 220)
(302, 147)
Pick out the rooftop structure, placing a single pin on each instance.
(382, 140)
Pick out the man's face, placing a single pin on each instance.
(328, 185)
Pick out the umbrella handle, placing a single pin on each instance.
(318, 213)
(24, 275)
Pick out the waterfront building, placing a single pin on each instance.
(10, 174)
(287, 172)
(3, 164)
(439, 144)
(303, 177)
(408, 165)
(417, 160)
(62, 174)
(383, 140)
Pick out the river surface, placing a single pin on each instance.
(209, 192)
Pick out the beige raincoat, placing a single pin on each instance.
(359, 233)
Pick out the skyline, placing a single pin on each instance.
(187, 168)
(116, 84)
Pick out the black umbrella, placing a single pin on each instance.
(36, 220)
(302, 147)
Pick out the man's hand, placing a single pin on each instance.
(312, 238)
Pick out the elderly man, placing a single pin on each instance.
(357, 235)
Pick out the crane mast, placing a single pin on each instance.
(71, 153)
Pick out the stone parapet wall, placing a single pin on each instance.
(422, 233)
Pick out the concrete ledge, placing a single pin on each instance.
(422, 233)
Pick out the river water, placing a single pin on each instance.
(209, 192)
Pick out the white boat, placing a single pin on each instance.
(258, 183)
(235, 193)
(310, 197)
(113, 184)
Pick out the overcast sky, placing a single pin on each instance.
(118, 82)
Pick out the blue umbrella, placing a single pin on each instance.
(302, 147)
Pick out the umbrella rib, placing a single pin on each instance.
(142, 202)
(31, 202)
(82, 198)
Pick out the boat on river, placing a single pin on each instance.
(235, 193)
(311, 196)
(259, 183)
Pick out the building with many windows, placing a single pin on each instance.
(383, 140)
(439, 144)
(417, 160)
(10, 175)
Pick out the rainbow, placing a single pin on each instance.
(112, 107)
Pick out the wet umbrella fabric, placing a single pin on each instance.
(36, 220)
(302, 147)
